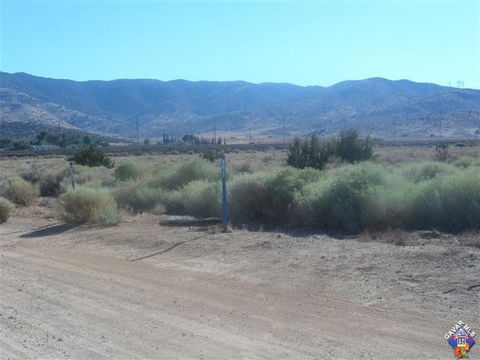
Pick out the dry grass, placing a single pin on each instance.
(18, 191)
(396, 237)
(408, 154)
(85, 205)
(6, 208)
(159, 183)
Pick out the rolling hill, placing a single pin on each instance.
(376, 106)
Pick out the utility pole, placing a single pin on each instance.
(394, 129)
(137, 125)
(440, 127)
(283, 124)
(214, 130)
(223, 173)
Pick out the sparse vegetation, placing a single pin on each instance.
(50, 183)
(6, 208)
(135, 197)
(363, 196)
(198, 198)
(179, 175)
(427, 170)
(130, 171)
(441, 153)
(88, 205)
(18, 191)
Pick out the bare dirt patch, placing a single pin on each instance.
(141, 290)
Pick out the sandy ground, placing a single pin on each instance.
(141, 290)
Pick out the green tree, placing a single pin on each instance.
(41, 138)
(63, 140)
(92, 156)
(22, 144)
(294, 157)
(352, 149)
(212, 155)
(313, 153)
(6, 143)
(87, 140)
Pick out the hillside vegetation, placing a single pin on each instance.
(376, 106)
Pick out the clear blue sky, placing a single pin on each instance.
(315, 43)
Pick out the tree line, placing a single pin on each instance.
(313, 153)
(44, 138)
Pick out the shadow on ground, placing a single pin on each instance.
(49, 230)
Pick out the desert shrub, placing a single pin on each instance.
(136, 197)
(464, 161)
(450, 203)
(212, 155)
(301, 213)
(92, 156)
(18, 191)
(389, 207)
(427, 170)
(130, 171)
(125, 195)
(32, 175)
(174, 202)
(250, 199)
(441, 152)
(267, 198)
(161, 175)
(53, 183)
(159, 209)
(343, 204)
(243, 166)
(89, 205)
(147, 198)
(202, 198)
(340, 200)
(281, 188)
(476, 162)
(96, 176)
(195, 170)
(50, 183)
(198, 198)
(369, 197)
(6, 208)
(175, 177)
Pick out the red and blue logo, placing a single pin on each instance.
(460, 338)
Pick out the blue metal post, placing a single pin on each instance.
(224, 194)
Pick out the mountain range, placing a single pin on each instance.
(375, 106)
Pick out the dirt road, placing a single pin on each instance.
(59, 299)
